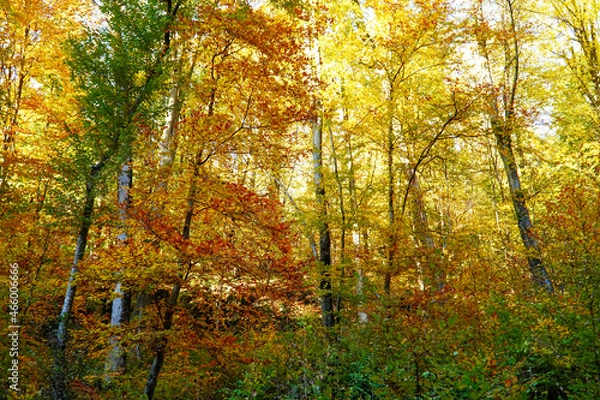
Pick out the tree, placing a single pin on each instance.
(247, 56)
(118, 67)
(121, 304)
(324, 233)
(409, 45)
(503, 120)
(582, 22)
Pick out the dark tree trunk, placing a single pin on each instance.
(391, 250)
(324, 234)
(502, 118)
(532, 247)
(161, 347)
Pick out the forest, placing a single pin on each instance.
(300, 199)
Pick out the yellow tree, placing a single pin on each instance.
(35, 98)
(408, 51)
(582, 21)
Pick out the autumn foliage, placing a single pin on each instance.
(179, 234)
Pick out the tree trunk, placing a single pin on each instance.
(166, 155)
(391, 203)
(423, 236)
(166, 150)
(116, 362)
(358, 247)
(59, 373)
(9, 128)
(502, 122)
(161, 347)
(360, 277)
(532, 247)
(343, 227)
(324, 234)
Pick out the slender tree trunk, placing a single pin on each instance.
(360, 277)
(532, 247)
(391, 203)
(167, 158)
(121, 304)
(161, 347)
(502, 123)
(167, 141)
(343, 226)
(420, 215)
(9, 130)
(10, 127)
(324, 234)
(59, 386)
(59, 373)
(166, 155)
(358, 246)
